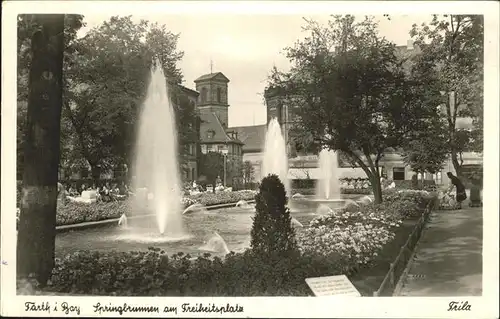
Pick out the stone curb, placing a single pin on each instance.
(106, 222)
(422, 223)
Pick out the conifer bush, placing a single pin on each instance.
(272, 232)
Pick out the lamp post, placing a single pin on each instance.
(224, 154)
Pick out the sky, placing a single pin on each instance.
(245, 48)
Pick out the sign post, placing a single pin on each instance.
(332, 286)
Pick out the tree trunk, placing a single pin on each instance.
(377, 188)
(95, 171)
(36, 236)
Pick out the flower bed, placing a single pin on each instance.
(364, 241)
(208, 199)
(354, 191)
(74, 212)
(359, 244)
(355, 237)
(355, 183)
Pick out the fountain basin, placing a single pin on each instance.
(233, 225)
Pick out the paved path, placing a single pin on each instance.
(448, 259)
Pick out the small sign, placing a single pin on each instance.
(332, 286)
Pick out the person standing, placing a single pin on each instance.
(460, 188)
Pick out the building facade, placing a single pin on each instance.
(189, 171)
(215, 135)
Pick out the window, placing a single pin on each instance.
(210, 134)
(220, 148)
(203, 95)
(204, 149)
(219, 95)
(398, 173)
(191, 149)
(209, 148)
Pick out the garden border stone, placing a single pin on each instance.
(105, 222)
(407, 251)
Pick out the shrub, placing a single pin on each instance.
(153, 273)
(408, 202)
(272, 231)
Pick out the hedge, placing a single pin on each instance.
(154, 273)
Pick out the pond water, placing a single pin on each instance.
(232, 224)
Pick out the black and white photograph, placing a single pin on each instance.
(173, 149)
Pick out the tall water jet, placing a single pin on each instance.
(275, 159)
(328, 183)
(156, 165)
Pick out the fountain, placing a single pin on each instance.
(323, 210)
(244, 204)
(328, 184)
(296, 223)
(298, 195)
(365, 200)
(216, 244)
(275, 159)
(156, 164)
(196, 207)
(123, 221)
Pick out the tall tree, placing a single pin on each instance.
(353, 94)
(212, 166)
(36, 237)
(26, 25)
(108, 83)
(248, 172)
(426, 150)
(452, 55)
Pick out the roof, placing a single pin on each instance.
(211, 122)
(189, 91)
(212, 76)
(253, 137)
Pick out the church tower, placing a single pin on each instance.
(213, 95)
